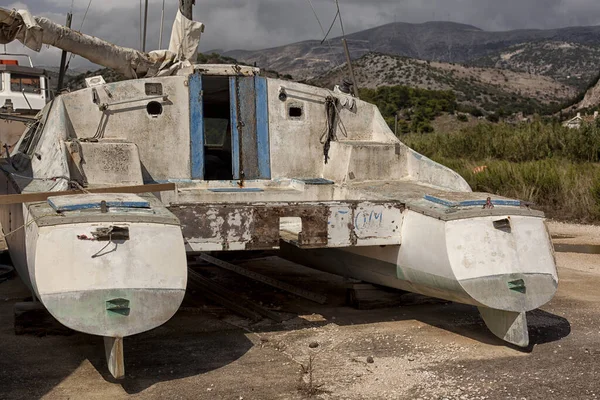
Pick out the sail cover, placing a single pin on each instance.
(34, 32)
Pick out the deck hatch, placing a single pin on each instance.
(95, 201)
(472, 203)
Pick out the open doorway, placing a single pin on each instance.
(217, 128)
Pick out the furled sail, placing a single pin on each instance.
(34, 32)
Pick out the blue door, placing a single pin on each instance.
(250, 128)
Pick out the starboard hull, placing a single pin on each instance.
(470, 261)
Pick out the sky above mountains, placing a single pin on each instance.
(256, 24)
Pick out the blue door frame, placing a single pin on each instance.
(196, 126)
(252, 153)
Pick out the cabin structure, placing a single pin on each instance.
(24, 91)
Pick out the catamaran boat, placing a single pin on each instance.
(23, 93)
(252, 163)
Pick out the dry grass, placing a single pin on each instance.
(556, 168)
(562, 189)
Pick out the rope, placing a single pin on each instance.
(339, 116)
(329, 134)
(54, 179)
(25, 225)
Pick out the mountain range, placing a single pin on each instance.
(569, 55)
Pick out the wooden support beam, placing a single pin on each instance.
(364, 296)
(229, 299)
(42, 196)
(317, 298)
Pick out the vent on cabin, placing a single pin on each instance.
(154, 89)
(295, 111)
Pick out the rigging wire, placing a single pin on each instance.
(346, 49)
(316, 16)
(337, 64)
(337, 4)
(331, 27)
(85, 15)
(80, 28)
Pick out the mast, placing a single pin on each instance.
(185, 6)
(63, 60)
(162, 25)
(145, 26)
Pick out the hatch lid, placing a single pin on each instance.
(80, 202)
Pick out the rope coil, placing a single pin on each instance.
(329, 134)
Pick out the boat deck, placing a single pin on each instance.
(441, 204)
(46, 214)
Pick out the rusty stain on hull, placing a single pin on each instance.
(222, 227)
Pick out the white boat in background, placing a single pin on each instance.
(24, 92)
(257, 164)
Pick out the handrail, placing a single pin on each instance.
(19, 55)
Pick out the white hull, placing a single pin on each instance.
(112, 288)
(76, 278)
(465, 260)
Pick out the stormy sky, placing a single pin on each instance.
(256, 24)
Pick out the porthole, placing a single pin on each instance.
(154, 108)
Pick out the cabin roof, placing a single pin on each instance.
(226, 69)
(21, 69)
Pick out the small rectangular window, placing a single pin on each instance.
(216, 131)
(25, 83)
(295, 112)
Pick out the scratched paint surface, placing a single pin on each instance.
(257, 227)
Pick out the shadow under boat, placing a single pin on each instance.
(194, 343)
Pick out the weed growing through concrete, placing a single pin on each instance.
(308, 386)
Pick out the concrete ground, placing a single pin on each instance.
(434, 350)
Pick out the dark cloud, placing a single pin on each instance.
(254, 24)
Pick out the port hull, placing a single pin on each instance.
(114, 288)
